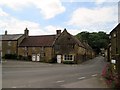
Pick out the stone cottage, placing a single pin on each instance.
(61, 47)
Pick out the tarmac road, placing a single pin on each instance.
(22, 74)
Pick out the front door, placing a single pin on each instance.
(38, 57)
(33, 57)
(58, 58)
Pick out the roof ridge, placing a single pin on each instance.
(10, 34)
(42, 35)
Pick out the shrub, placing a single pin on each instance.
(20, 57)
(53, 60)
(29, 58)
(10, 56)
(111, 79)
(68, 62)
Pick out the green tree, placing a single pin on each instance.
(96, 40)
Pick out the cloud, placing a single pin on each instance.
(49, 8)
(2, 13)
(50, 29)
(102, 1)
(93, 18)
(17, 26)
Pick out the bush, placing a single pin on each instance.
(10, 56)
(29, 58)
(53, 60)
(111, 79)
(20, 57)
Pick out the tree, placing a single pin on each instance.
(96, 40)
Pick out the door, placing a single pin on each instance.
(33, 57)
(58, 58)
(38, 57)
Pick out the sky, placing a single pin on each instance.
(44, 17)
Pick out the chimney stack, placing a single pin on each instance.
(26, 32)
(58, 32)
(6, 32)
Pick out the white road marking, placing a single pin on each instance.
(61, 81)
(82, 78)
(14, 87)
(94, 75)
(50, 64)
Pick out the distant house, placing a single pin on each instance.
(10, 43)
(115, 40)
(114, 47)
(61, 47)
(68, 48)
(40, 48)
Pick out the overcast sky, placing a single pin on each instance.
(46, 16)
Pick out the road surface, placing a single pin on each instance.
(23, 74)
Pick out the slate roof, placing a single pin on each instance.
(10, 37)
(116, 28)
(34, 41)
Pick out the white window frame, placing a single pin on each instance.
(9, 43)
(68, 57)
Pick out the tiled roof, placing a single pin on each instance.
(44, 40)
(10, 36)
(75, 39)
(87, 46)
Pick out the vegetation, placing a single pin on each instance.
(53, 60)
(15, 57)
(96, 40)
(111, 79)
(10, 56)
(68, 62)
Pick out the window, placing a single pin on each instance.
(116, 50)
(42, 49)
(25, 51)
(9, 43)
(68, 57)
(114, 35)
(71, 46)
(68, 38)
(42, 54)
(25, 48)
(57, 47)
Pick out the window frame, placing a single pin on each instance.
(69, 57)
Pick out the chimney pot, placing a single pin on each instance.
(58, 32)
(6, 32)
(26, 32)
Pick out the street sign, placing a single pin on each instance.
(113, 61)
